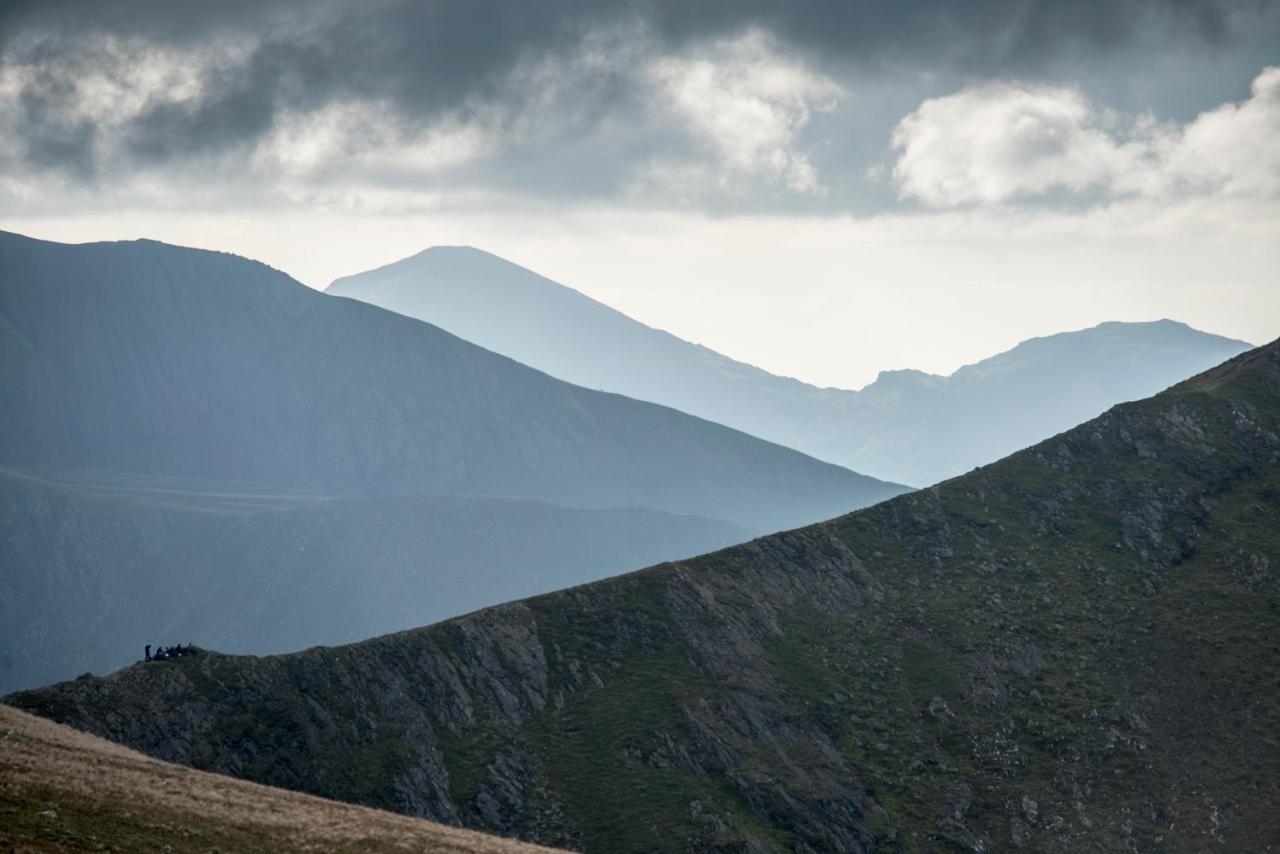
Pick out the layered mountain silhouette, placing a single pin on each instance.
(1071, 649)
(907, 426)
(144, 358)
(238, 414)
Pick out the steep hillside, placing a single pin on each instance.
(907, 426)
(1073, 649)
(93, 572)
(147, 359)
(62, 790)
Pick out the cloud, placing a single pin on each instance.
(1231, 150)
(1005, 142)
(747, 105)
(236, 73)
(994, 142)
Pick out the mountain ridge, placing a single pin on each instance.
(1069, 649)
(907, 427)
(188, 382)
(205, 355)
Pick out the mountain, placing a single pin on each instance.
(93, 572)
(1072, 649)
(930, 427)
(195, 447)
(907, 426)
(67, 791)
(145, 359)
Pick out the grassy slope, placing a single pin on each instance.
(1072, 649)
(63, 790)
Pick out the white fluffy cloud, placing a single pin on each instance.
(997, 143)
(747, 104)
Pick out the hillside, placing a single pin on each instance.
(93, 572)
(1071, 649)
(908, 426)
(63, 790)
(140, 358)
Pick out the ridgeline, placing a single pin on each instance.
(1072, 649)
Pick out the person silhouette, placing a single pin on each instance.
(147, 652)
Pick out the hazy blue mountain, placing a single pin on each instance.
(92, 572)
(202, 449)
(907, 426)
(142, 358)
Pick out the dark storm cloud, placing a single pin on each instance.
(427, 59)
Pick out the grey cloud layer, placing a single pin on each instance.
(565, 84)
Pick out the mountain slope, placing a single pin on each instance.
(142, 358)
(907, 426)
(943, 426)
(63, 790)
(93, 572)
(1071, 649)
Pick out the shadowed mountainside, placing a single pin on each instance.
(1071, 649)
(907, 426)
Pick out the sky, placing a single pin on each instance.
(825, 189)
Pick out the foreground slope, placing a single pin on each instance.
(92, 571)
(62, 790)
(907, 426)
(147, 359)
(1071, 649)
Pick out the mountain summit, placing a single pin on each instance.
(1072, 649)
(908, 427)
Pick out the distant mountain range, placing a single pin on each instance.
(148, 359)
(214, 386)
(907, 426)
(1072, 649)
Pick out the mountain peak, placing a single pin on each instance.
(903, 378)
(462, 250)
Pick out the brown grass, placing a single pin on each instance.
(64, 790)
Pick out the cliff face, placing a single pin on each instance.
(1072, 649)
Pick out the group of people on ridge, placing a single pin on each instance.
(166, 652)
